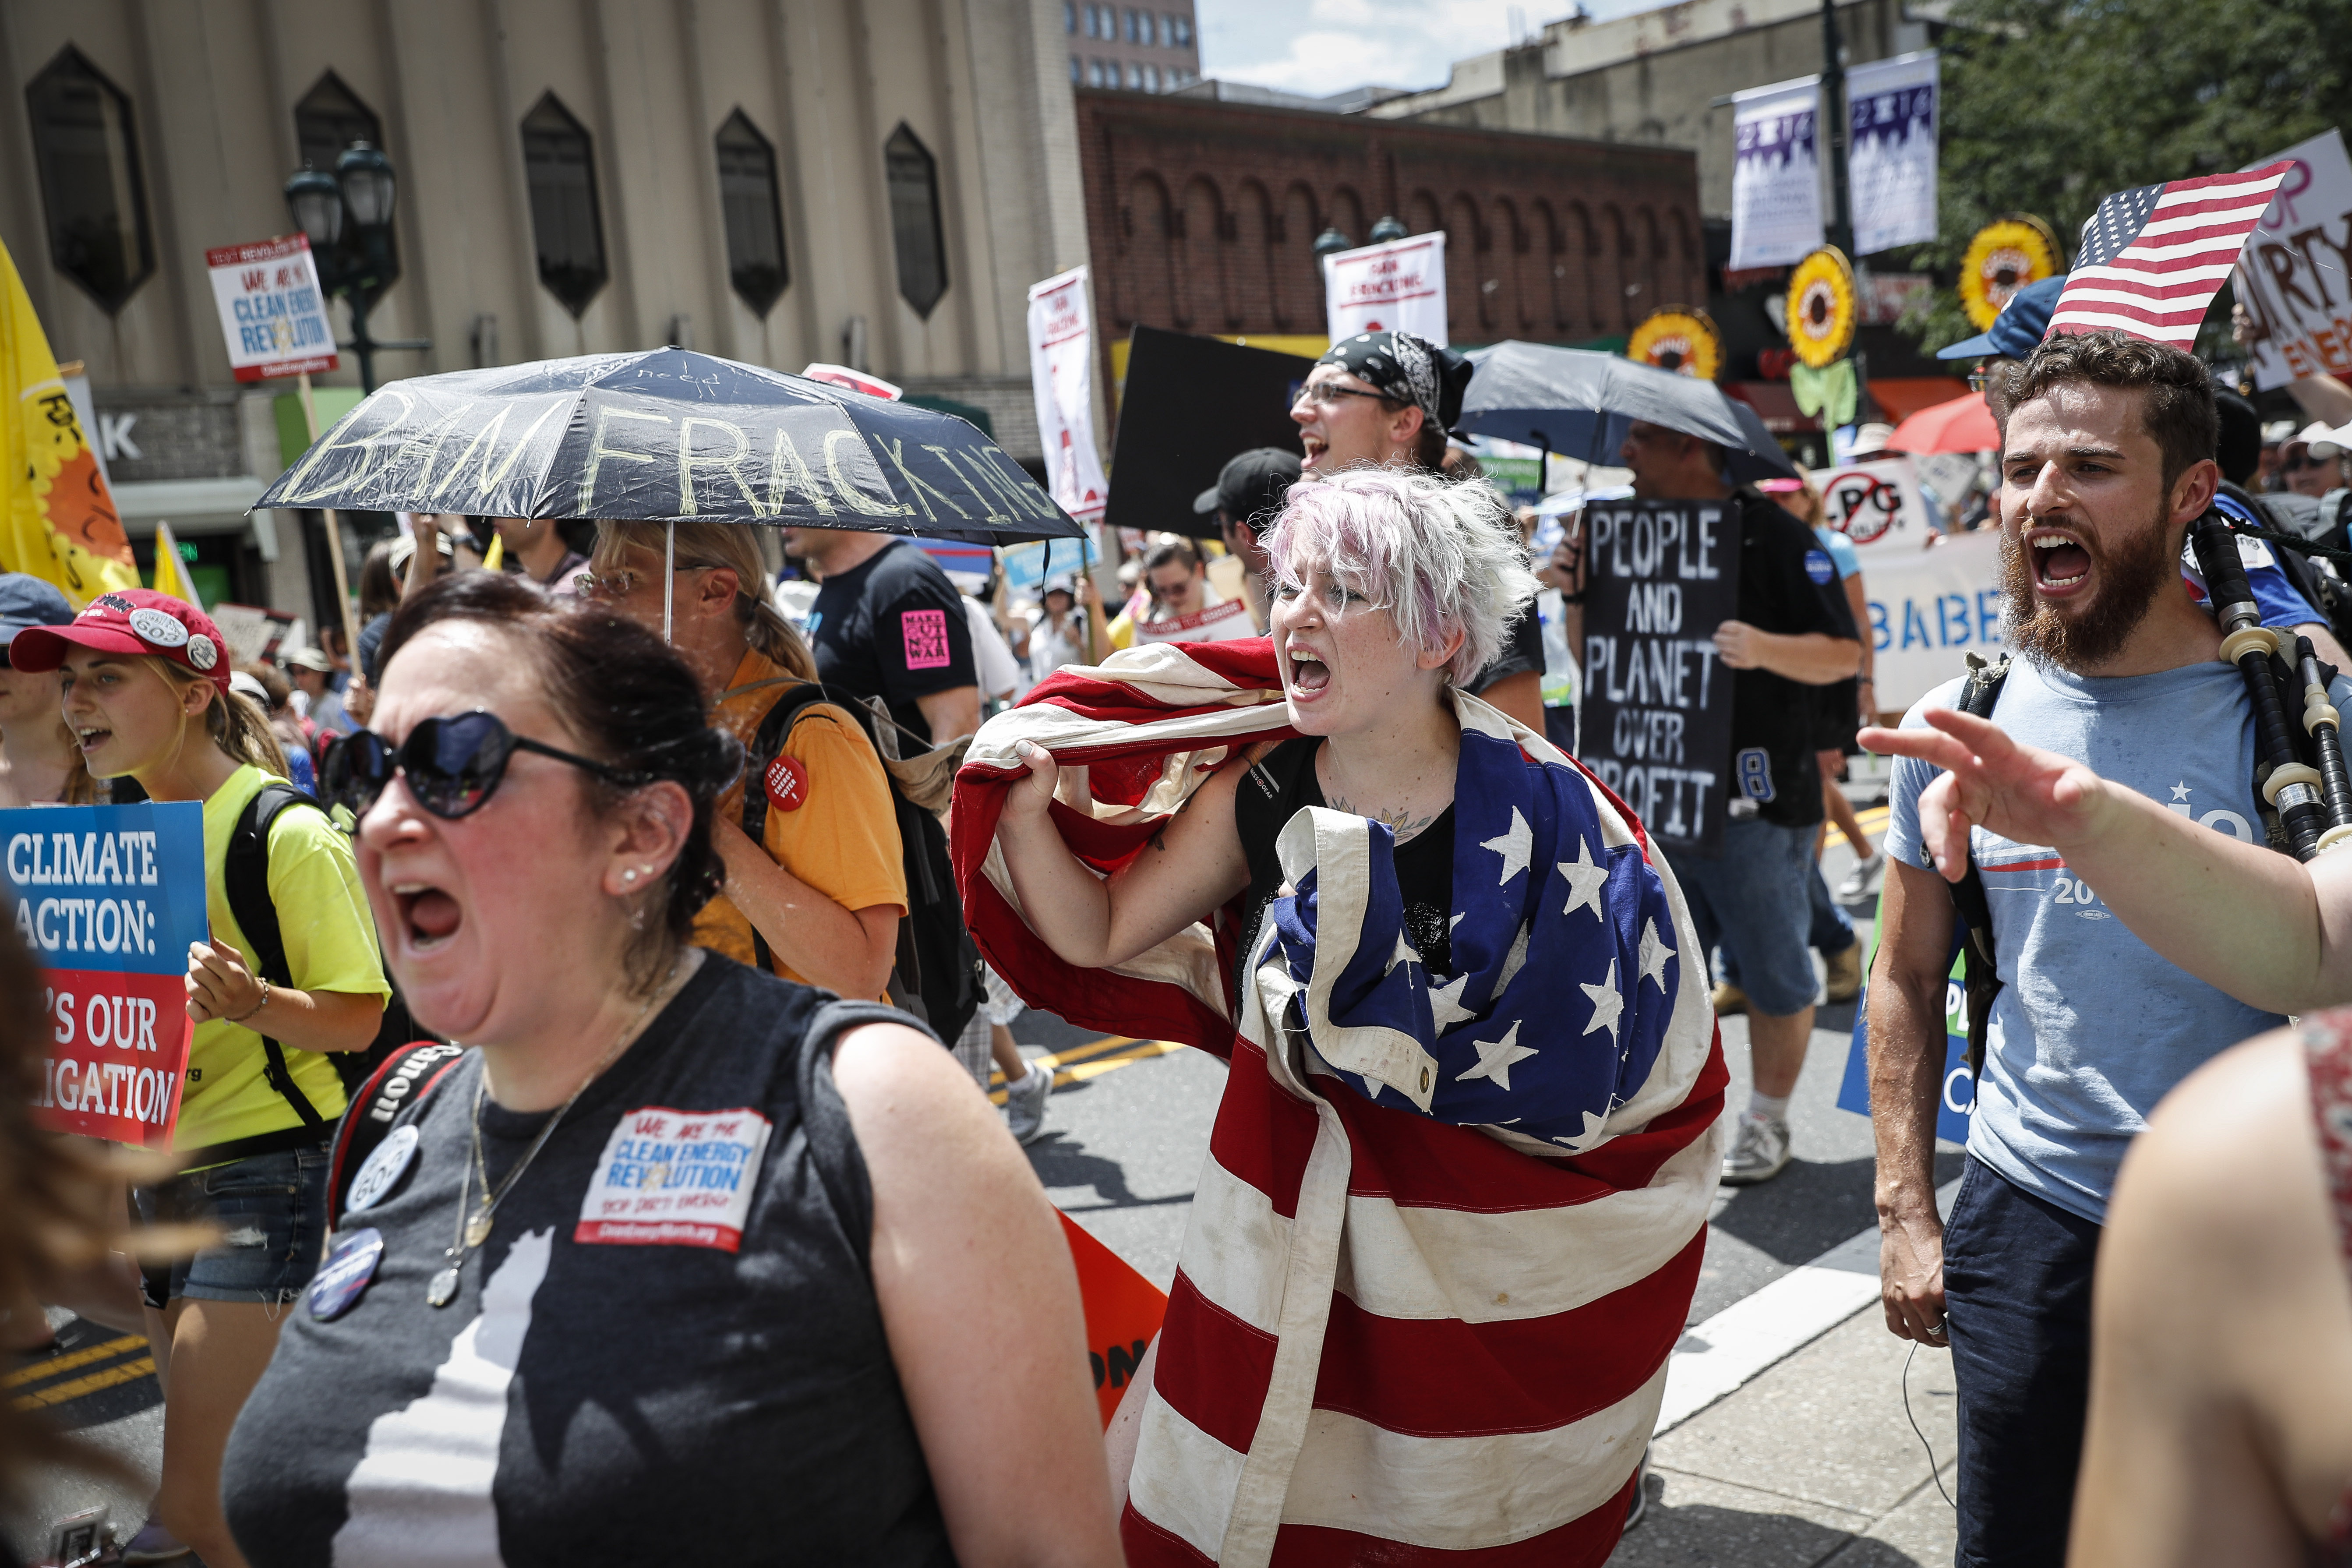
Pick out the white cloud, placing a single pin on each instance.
(1322, 46)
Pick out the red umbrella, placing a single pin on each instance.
(1962, 424)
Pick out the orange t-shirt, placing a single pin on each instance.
(843, 839)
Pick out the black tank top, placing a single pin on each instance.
(611, 1383)
(1282, 784)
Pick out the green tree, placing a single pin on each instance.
(2051, 104)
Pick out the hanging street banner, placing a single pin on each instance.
(1930, 609)
(1660, 576)
(1877, 505)
(1776, 175)
(2291, 275)
(272, 311)
(1891, 153)
(111, 897)
(1398, 287)
(1061, 373)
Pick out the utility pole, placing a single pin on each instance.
(1833, 113)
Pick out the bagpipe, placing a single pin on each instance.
(2299, 771)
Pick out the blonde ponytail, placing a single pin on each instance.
(234, 723)
(727, 544)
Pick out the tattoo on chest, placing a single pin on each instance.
(1403, 824)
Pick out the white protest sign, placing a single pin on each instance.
(272, 312)
(1877, 505)
(1891, 166)
(1930, 609)
(2295, 275)
(1776, 175)
(1061, 374)
(1399, 287)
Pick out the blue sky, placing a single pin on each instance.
(1328, 46)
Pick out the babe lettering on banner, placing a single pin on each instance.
(925, 634)
(111, 897)
(676, 1178)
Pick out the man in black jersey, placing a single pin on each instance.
(887, 623)
(1793, 634)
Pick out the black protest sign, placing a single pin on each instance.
(1660, 576)
(1190, 406)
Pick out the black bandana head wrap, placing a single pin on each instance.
(1408, 369)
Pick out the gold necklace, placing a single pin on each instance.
(473, 1229)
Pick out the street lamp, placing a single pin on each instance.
(1387, 229)
(346, 217)
(1330, 242)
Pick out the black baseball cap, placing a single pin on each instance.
(1251, 484)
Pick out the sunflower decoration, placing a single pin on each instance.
(2005, 255)
(1678, 339)
(1821, 307)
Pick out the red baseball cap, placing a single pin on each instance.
(130, 621)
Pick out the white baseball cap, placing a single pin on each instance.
(2328, 443)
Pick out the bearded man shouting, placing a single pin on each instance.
(2107, 460)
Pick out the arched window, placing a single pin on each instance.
(752, 214)
(92, 190)
(560, 165)
(915, 228)
(329, 118)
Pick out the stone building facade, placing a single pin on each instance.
(1201, 216)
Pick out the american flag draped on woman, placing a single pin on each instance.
(1456, 1192)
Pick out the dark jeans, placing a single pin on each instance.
(1831, 933)
(2017, 1292)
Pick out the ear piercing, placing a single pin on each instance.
(630, 875)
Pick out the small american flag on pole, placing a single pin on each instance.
(2153, 257)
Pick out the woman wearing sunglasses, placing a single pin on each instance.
(146, 693)
(819, 895)
(680, 1254)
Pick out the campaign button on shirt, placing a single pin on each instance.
(1818, 567)
(382, 1169)
(787, 781)
(346, 1273)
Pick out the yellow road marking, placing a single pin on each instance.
(1873, 821)
(1093, 1059)
(83, 1357)
(106, 1377)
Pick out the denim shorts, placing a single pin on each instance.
(1754, 901)
(271, 1213)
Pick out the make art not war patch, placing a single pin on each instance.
(675, 1178)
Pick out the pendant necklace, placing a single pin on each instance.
(474, 1222)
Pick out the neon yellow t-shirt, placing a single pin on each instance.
(330, 936)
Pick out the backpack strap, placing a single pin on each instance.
(767, 745)
(244, 877)
(1980, 976)
(400, 1085)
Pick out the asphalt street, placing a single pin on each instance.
(1127, 1130)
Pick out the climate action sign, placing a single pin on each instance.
(111, 897)
(1660, 576)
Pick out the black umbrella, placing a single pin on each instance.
(668, 436)
(1578, 402)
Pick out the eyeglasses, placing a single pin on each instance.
(620, 584)
(453, 766)
(1330, 393)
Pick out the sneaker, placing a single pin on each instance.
(1024, 1104)
(1639, 1509)
(1845, 973)
(1758, 1153)
(153, 1544)
(1729, 999)
(1856, 886)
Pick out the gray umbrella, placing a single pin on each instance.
(1578, 402)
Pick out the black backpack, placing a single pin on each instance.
(937, 974)
(245, 876)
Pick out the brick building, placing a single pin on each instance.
(1139, 49)
(1201, 216)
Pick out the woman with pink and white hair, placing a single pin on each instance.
(1448, 973)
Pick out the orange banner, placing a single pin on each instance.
(1123, 1312)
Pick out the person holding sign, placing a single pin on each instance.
(146, 681)
(1794, 635)
(680, 1253)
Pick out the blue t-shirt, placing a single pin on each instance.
(1841, 550)
(2092, 1027)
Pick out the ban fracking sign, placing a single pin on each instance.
(1656, 726)
(111, 897)
(271, 310)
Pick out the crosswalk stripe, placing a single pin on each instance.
(67, 1363)
(105, 1377)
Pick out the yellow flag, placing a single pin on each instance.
(495, 558)
(170, 577)
(57, 520)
